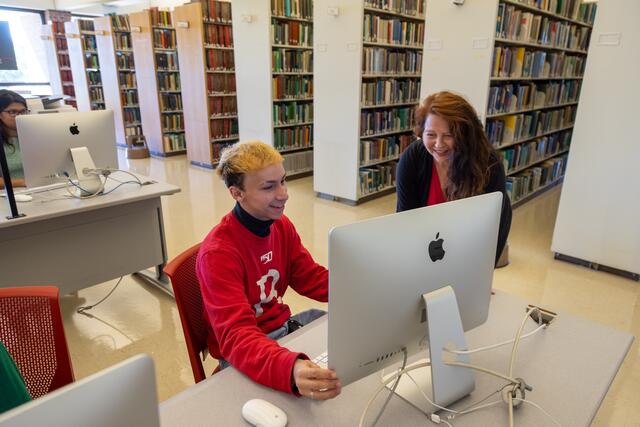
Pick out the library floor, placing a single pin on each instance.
(138, 318)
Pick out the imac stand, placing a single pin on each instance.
(445, 383)
(88, 183)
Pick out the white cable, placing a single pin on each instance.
(485, 370)
(556, 422)
(514, 351)
(491, 347)
(393, 388)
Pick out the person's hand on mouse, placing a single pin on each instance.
(315, 382)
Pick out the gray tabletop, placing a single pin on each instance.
(570, 366)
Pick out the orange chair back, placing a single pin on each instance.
(186, 288)
(31, 329)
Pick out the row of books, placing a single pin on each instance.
(129, 97)
(161, 18)
(378, 29)
(172, 122)
(218, 35)
(522, 155)
(406, 7)
(292, 87)
(169, 81)
(66, 76)
(85, 24)
(63, 60)
(133, 130)
(216, 149)
(96, 94)
(388, 120)
(518, 25)
(292, 112)
(523, 62)
(68, 90)
(292, 33)
(532, 179)
(224, 105)
(93, 77)
(91, 61)
(292, 8)
(221, 83)
(89, 43)
(510, 129)
(164, 38)
(381, 60)
(170, 101)
(173, 142)
(224, 128)
(122, 41)
(389, 91)
(217, 11)
(58, 27)
(294, 137)
(61, 44)
(383, 148)
(120, 22)
(220, 59)
(571, 9)
(292, 61)
(132, 115)
(166, 60)
(298, 162)
(125, 61)
(516, 97)
(376, 178)
(126, 79)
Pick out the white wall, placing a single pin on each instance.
(459, 49)
(336, 96)
(599, 213)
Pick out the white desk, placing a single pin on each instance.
(570, 366)
(74, 243)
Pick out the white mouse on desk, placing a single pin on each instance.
(261, 413)
(22, 198)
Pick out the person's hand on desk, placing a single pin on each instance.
(315, 382)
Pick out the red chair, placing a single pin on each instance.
(186, 289)
(31, 329)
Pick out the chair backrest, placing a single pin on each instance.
(186, 288)
(31, 329)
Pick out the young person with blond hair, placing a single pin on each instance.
(245, 265)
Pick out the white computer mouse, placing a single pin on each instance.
(261, 413)
(23, 198)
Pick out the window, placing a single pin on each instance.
(32, 73)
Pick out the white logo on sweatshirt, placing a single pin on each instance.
(262, 284)
(267, 257)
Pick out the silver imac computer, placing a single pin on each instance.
(122, 395)
(55, 144)
(379, 271)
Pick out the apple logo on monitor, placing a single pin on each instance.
(74, 129)
(436, 251)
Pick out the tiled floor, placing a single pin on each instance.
(137, 318)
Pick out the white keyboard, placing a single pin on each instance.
(321, 360)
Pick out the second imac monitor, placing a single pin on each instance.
(379, 270)
(46, 142)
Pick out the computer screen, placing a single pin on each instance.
(122, 395)
(46, 140)
(380, 268)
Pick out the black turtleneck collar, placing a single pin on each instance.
(256, 226)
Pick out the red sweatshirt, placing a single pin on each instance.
(243, 279)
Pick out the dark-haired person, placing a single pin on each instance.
(245, 265)
(452, 160)
(11, 106)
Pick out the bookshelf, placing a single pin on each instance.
(117, 68)
(273, 42)
(85, 66)
(56, 48)
(538, 62)
(364, 107)
(153, 39)
(205, 51)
